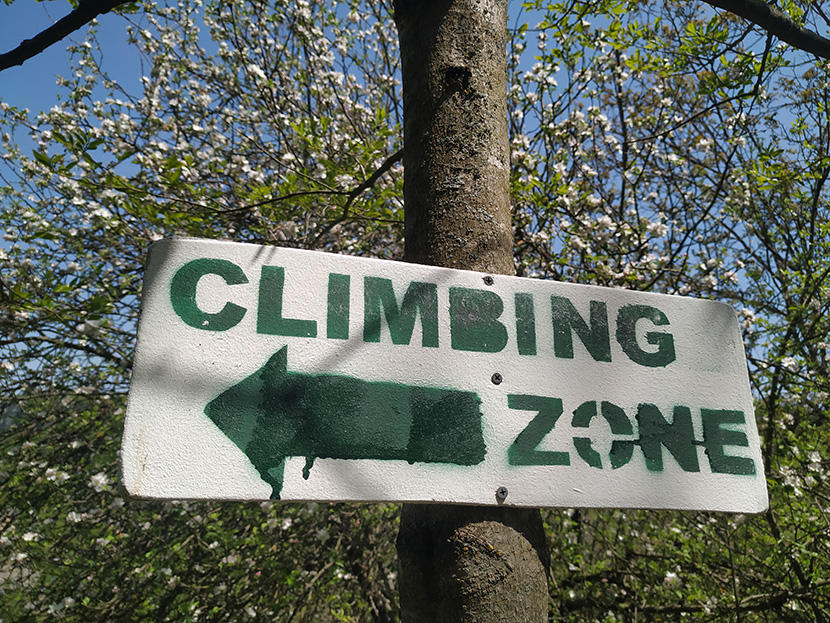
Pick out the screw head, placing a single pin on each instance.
(501, 493)
(488, 280)
(496, 378)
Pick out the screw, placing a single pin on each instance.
(496, 378)
(488, 280)
(501, 493)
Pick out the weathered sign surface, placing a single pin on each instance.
(264, 372)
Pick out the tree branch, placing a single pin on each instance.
(777, 23)
(86, 11)
(358, 190)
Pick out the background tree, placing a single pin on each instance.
(655, 146)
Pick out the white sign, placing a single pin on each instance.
(264, 372)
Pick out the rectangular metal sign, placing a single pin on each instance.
(264, 372)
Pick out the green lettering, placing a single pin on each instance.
(627, 319)
(474, 324)
(269, 312)
(337, 320)
(419, 298)
(525, 324)
(677, 437)
(621, 450)
(183, 294)
(596, 338)
(523, 449)
(715, 437)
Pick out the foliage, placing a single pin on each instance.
(656, 146)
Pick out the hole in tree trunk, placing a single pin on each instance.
(457, 78)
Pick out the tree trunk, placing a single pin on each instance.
(482, 564)
(456, 150)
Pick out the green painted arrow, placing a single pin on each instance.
(274, 414)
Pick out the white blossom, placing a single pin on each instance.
(657, 229)
(790, 364)
(100, 482)
(671, 578)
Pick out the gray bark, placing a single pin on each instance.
(482, 564)
(456, 150)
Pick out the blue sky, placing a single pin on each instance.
(32, 85)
